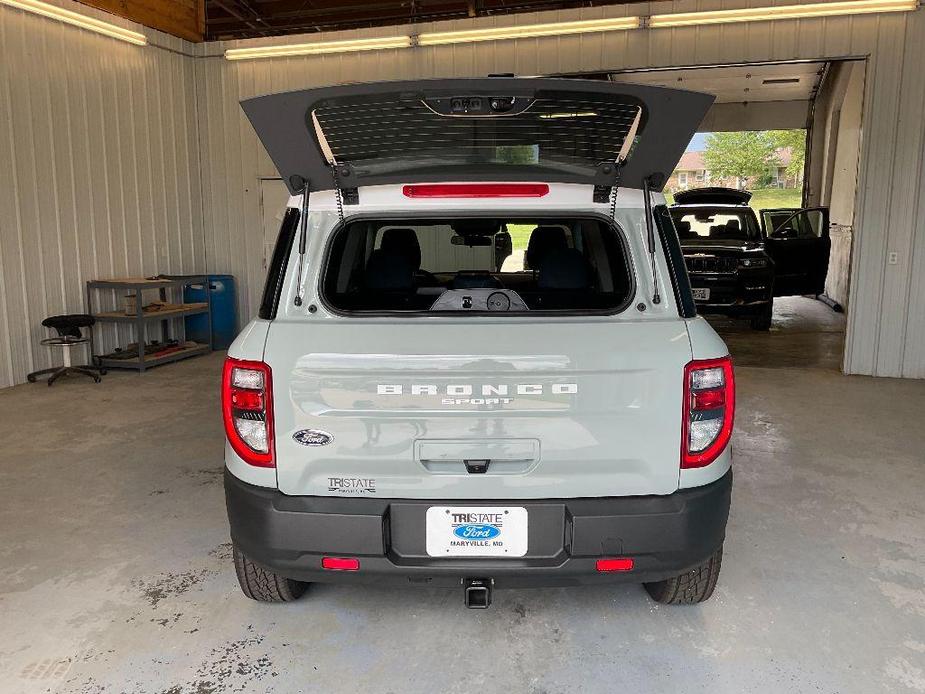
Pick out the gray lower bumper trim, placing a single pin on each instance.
(664, 534)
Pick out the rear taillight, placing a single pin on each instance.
(709, 408)
(247, 410)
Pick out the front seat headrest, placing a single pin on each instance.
(388, 271)
(733, 228)
(565, 269)
(544, 239)
(684, 229)
(403, 242)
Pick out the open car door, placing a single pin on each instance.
(798, 242)
(486, 129)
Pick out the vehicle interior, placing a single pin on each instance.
(478, 264)
(715, 224)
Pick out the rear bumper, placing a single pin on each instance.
(737, 309)
(665, 535)
(740, 294)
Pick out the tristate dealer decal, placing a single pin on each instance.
(351, 485)
(467, 394)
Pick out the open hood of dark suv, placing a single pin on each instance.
(486, 129)
(712, 196)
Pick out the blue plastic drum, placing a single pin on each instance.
(224, 312)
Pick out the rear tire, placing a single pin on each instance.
(262, 584)
(762, 321)
(691, 587)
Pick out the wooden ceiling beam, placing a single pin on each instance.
(297, 16)
(183, 18)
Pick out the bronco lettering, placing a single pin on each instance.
(465, 389)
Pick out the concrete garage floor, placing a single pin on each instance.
(115, 573)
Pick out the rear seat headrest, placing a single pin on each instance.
(543, 240)
(566, 269)
(388, 271)
(730, 229)
(403, 242)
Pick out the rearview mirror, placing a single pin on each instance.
(471, 240)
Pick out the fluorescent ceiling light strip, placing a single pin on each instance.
(528, 31)
(78, 20)
(286, 50)
(760, 14)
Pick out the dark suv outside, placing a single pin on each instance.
(737, 265)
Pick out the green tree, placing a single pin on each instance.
(738, 155)
(796, 141)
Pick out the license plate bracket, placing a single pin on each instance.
(701, 293)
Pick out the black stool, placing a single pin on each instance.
(69, 336)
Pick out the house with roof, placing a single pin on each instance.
(692, 172)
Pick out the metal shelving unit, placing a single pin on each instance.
(142, 318)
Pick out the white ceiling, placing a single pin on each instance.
(739, 84)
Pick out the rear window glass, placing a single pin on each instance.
(572, 132)
(478, 265)
(699, 224)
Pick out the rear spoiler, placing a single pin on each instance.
(587, 144)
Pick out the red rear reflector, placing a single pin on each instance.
(247, 399)
(476, 190)
(708, 399)
(620, 564)
(340, 564)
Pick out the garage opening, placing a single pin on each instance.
(810, 116)
(789, 134)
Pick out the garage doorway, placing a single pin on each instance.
(823, 99)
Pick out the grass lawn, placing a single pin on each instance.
(520, 235)
(762, 199)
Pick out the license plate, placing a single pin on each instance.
(476, 531)
(701, 294)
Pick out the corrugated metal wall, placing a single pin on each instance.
(99, 173)
(887, 307)
(116, 160)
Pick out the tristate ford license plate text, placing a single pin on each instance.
(476, 531)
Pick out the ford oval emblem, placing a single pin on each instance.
(477, 531)
(312, 437)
